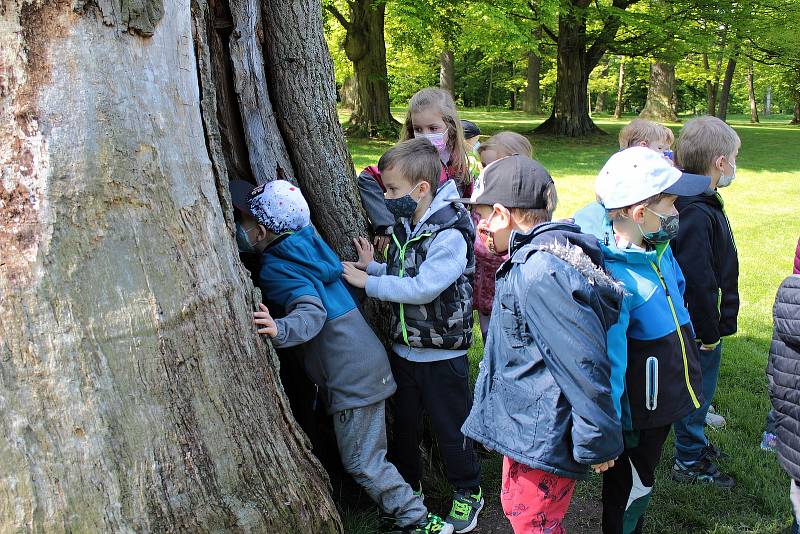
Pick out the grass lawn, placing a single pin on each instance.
(764, 208)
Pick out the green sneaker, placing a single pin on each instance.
(464, 513)
(433, 524)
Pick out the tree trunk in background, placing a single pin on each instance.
(725, 94)
(712, 84)
(135, 395)
(659, 105)
(349, 94)
(600, 100)
(768, 102)
(620, 88)
(447, 71)
(796, 115)
(533, 91)
(751, 91)
(365, 46)
(489, 90)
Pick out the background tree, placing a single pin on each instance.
(135, 394)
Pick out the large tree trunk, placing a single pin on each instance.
(365, 46)
(570, 115)
(725, 93)
(600, 99)
(659, 106)
(447, 71)
(751, 92)
(620, 88)
(533, 90)
(135, 394)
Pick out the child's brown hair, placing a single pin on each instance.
(442, 102)
(702, 141)
(640, 131)
(416, 159)
(507, 144)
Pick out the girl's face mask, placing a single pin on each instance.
(439, 140)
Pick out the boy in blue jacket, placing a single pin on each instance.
(301, 281)
(655, 369)
(543, 397)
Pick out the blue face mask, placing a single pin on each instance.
(403, 207)
(667, 231)
(242, 241)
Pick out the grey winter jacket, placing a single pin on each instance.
(543, 394)
(784, 373)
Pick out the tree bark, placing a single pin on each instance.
(135, 395)
(768, 102)
(659, 105)
(447, 71)
(533, 91)
(365, 46)
(349, 93)
(620, 88)
(751, 91)
(725, 93)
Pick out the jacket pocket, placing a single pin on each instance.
(515, 413)
(512, 321)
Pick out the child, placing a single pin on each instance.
(706, 252)
(655, 372)
(649, 134)
(784, 378)
(593, 218)
(427, 279)
(504, 144)
(498, 146)
(300, 279)
(431, 114)
(543, 398)
(471, 141)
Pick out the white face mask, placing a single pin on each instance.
(727, 179)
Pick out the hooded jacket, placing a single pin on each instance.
(707, 254)
(784, 373)
(301, 279)
(543, 396)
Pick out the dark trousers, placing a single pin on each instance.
(628, 485)
(440, 389)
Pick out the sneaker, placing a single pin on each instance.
(713, 419)
(433, 524)
(464, 513)
(702, 471)
(769, 441)
(713, 453)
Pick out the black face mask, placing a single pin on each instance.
(403, 207)
(667, 231)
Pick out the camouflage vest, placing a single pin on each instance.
(445, 323)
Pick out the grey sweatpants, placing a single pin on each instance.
(361, 436)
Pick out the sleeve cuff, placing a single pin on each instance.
(375, 269)
(372, 287)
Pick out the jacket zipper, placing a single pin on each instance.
(680, 336)
(402, 249)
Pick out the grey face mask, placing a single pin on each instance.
(242, 241)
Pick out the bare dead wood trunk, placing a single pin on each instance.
(659, 104)
(725, 93)
(751, 93)
(620, 88)
(447, 71)
(134, 395)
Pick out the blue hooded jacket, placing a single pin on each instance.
(542, 396)
(301, 280)
(655, 371)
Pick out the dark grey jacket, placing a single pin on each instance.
(543, 394)
(784, 373)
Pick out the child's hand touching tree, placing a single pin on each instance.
(264, 319)
(353, 275)
(366, 253)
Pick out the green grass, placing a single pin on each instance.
(763, 205)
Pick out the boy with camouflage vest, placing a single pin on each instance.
(428, 280)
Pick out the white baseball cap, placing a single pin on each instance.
(279, 206)
(638, 173)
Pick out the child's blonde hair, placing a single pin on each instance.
(507, 144)
(702, 141)
(643, 131)
(442, 102)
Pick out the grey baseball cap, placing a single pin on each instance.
(514, 182)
